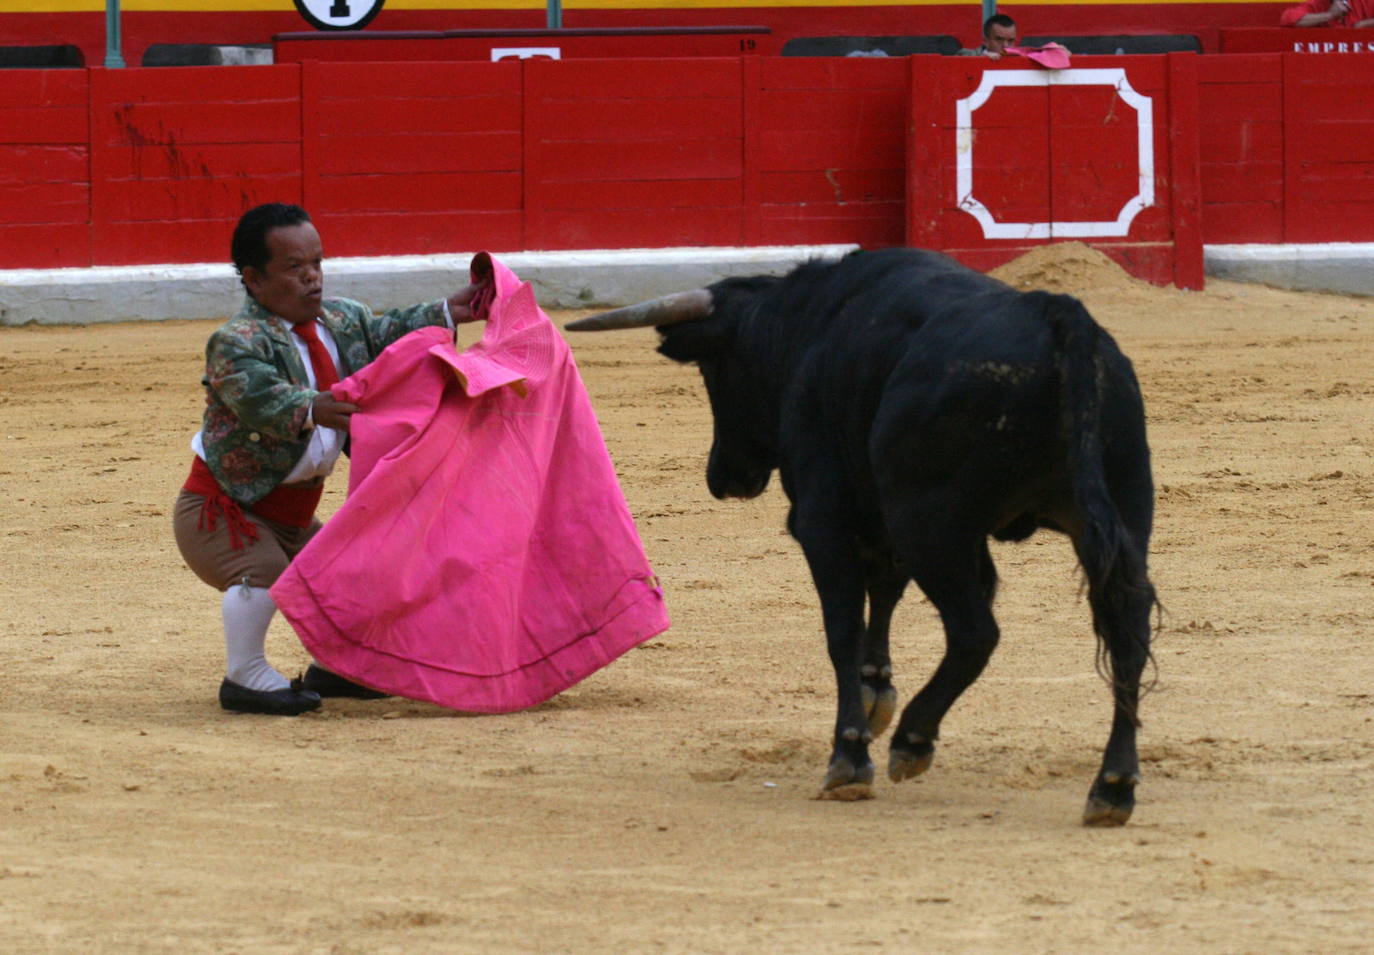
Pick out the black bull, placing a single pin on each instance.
(913, 408)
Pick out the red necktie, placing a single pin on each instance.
(325, 372)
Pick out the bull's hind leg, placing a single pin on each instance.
(961, 591)
(1122, 600)
(1121, 615)
(885, 585)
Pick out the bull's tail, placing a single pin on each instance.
(1113, 560)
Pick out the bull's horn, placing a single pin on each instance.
(668, 310)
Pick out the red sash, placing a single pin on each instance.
(292, 506)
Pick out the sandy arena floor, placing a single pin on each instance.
(666, 803)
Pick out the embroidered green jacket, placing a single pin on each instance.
(257, 394)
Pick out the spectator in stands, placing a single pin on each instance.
(1329, 13)
(999, 32)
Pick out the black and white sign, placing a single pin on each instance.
(339, 14)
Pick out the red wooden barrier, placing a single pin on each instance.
(633, 153)
(1005, 158)
(1240, 140)
(1287, 148)
(414, 158)
(178, 154)
(45, 201)
(825, 151)
(1328, 147)
(145, 166)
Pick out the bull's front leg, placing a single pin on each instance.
(838, 575)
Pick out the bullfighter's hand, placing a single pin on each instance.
(470, 303)
(330, 413)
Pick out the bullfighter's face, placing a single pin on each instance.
(291, 284)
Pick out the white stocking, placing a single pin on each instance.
(247, 611)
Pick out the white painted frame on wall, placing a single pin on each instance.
(1114, 77)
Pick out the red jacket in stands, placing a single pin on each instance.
(1356, 12)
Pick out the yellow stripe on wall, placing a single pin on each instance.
(50, 6)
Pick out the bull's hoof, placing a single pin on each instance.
(879, 706)
(1111, 801)
(843, 774)
(907, 763)
(1103, 815)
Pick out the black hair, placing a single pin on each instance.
(249, 245)
(997, 20)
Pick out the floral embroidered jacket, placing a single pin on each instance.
(257, 393)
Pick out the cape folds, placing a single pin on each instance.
(485, 559)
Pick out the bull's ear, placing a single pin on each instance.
(693, 341)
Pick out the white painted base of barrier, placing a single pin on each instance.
(581, 279)
(1343, 267)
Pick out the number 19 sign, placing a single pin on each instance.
(339, 14)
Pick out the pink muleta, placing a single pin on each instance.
(485, 559)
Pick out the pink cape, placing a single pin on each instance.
(1052, 55)
(485, 559)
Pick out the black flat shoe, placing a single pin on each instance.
(326, 683)
(287, 702)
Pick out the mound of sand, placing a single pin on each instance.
(1070, 267)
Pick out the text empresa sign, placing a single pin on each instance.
(339, 14)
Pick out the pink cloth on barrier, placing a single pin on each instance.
(1051, 56)
(485, 559)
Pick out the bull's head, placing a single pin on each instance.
(702, 327)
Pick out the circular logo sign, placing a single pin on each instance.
(339, 14)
